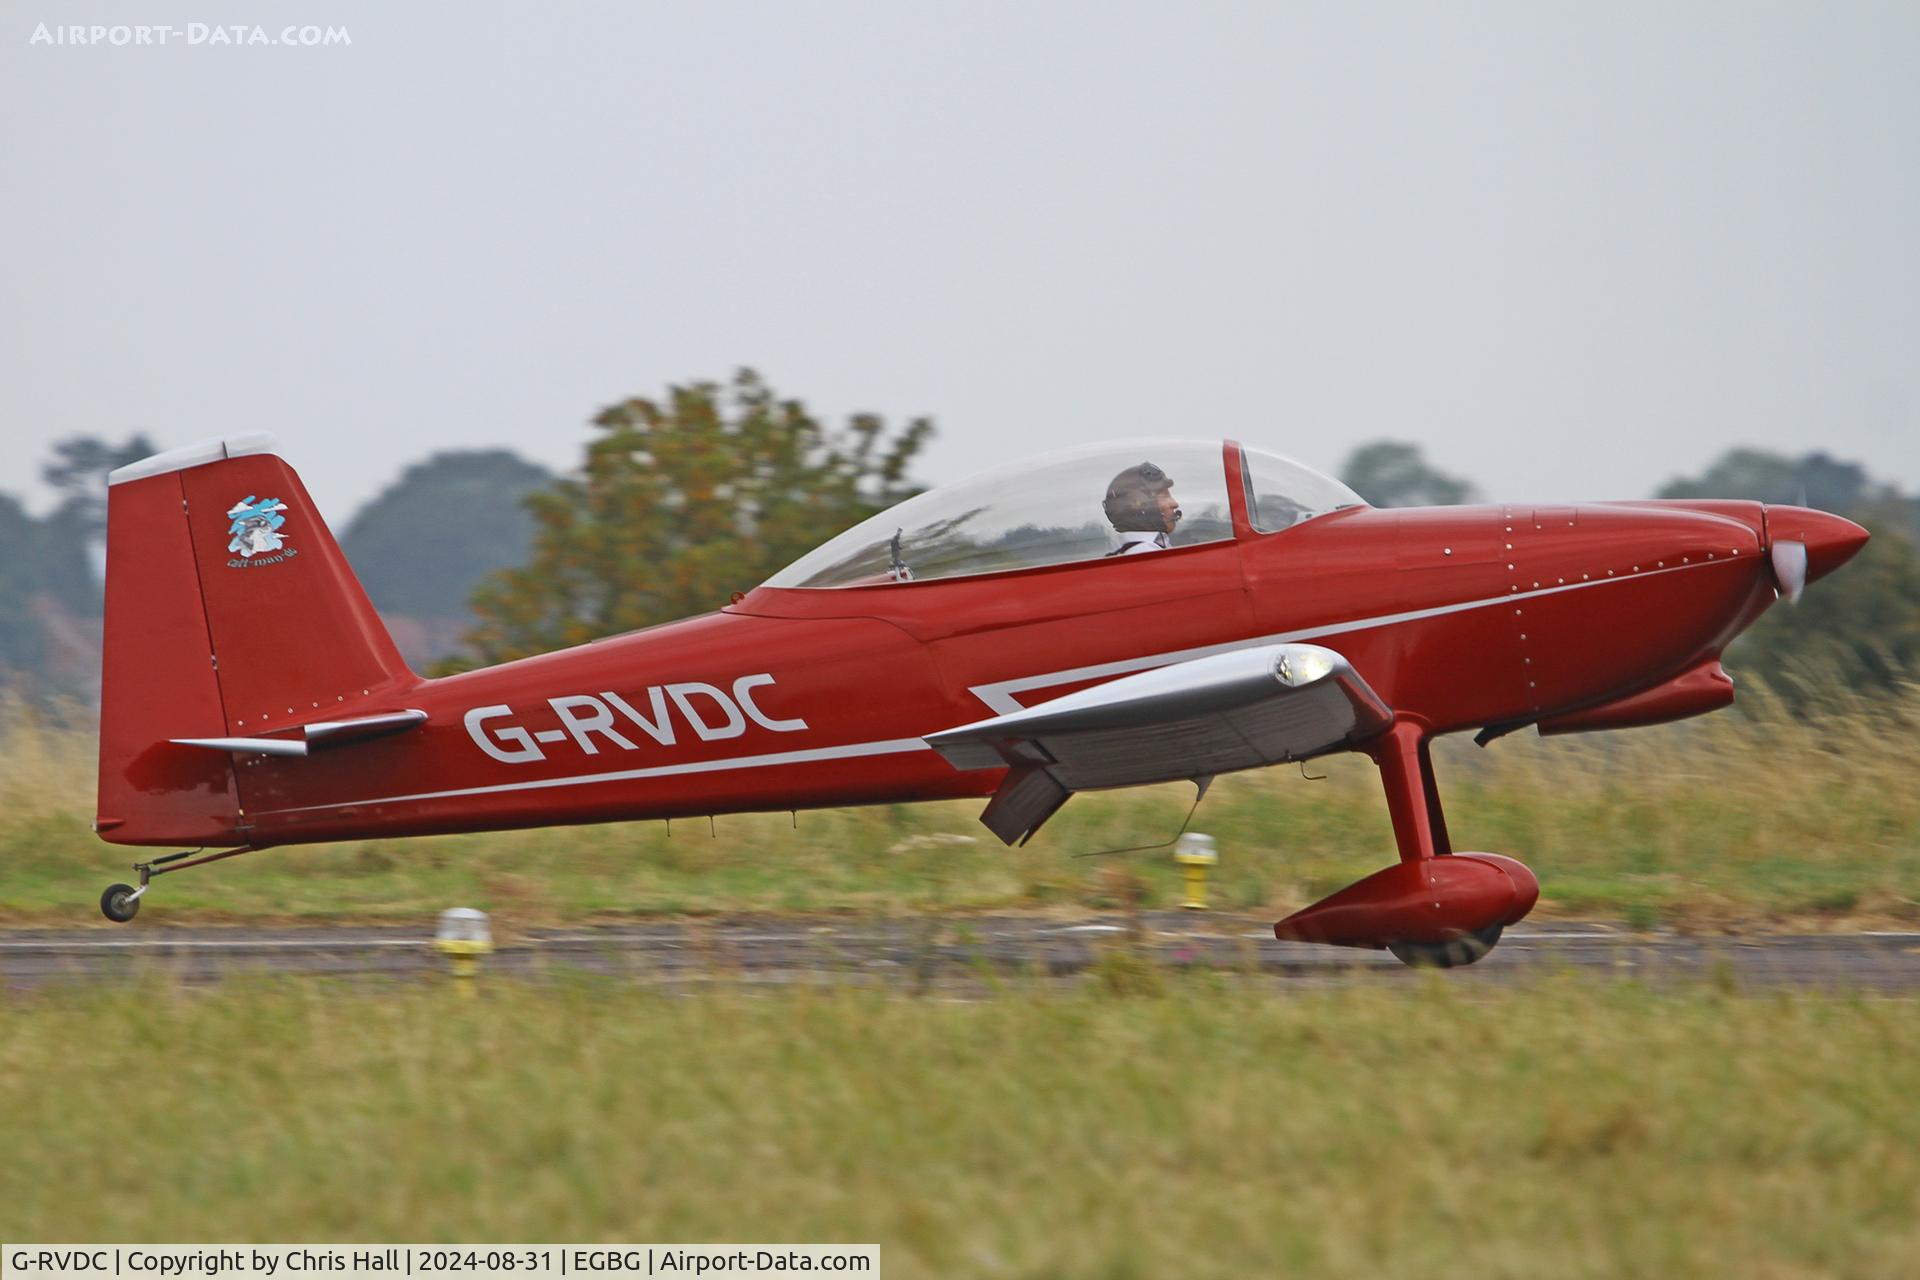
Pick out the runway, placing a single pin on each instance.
(918, 952)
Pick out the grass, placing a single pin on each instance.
(1569, 1128)
(1751, 818)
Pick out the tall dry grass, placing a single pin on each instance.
(1566, 1129)
(1755, 816)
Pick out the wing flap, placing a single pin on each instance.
(1024, 801)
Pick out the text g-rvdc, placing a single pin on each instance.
(711, 712)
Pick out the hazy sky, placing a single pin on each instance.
(1571, 250)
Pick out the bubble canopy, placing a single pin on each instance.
(1054, 510)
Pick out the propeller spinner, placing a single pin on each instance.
(1806, 545)
(1790, 569)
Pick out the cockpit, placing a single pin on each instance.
(1124, 499)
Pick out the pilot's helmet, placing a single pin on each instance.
(1133, 499)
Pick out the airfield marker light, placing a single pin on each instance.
(463, 936)
(1195, 853)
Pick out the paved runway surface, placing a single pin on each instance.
(914, 952)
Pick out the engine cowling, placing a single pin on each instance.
(1704, 688)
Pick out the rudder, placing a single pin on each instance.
(230, 612)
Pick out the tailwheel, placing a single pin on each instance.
(1453, 953)
(120, 903)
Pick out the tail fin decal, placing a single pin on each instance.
(230, 612)
(293, 632)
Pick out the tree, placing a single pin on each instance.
(679, 505)
(427, 540)
(77, 474)
(1860, 626)
(1393, 473)
(22, 641)
(1814, 480)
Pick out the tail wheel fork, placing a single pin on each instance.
(121, 902)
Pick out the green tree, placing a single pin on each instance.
(78, 473)
(22, 575)
(1860, 626)
(50, 576)
(75, 544)
(1393, 473)
(680, 504)
(428, 539)
(1813, 480)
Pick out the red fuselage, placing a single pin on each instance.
(791, 698)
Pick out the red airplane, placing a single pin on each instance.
(1107, 617)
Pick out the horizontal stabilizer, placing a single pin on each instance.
(320, 734)
(247, 746)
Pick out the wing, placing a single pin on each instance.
(1195, 719)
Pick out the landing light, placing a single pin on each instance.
(1301, 668)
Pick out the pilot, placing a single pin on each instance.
(1141, 507)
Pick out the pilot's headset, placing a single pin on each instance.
(1133, 499)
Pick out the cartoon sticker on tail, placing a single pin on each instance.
(258, 529)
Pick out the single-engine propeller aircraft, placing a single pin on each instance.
(1107, 617)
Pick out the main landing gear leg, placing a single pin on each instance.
(1413, 800)
(121, 902)
(1434, 907)
(1405, 757)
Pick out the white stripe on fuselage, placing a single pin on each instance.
(998, 697)
(1000, 700)
(849, 751)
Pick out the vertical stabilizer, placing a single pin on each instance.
(230, 612)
